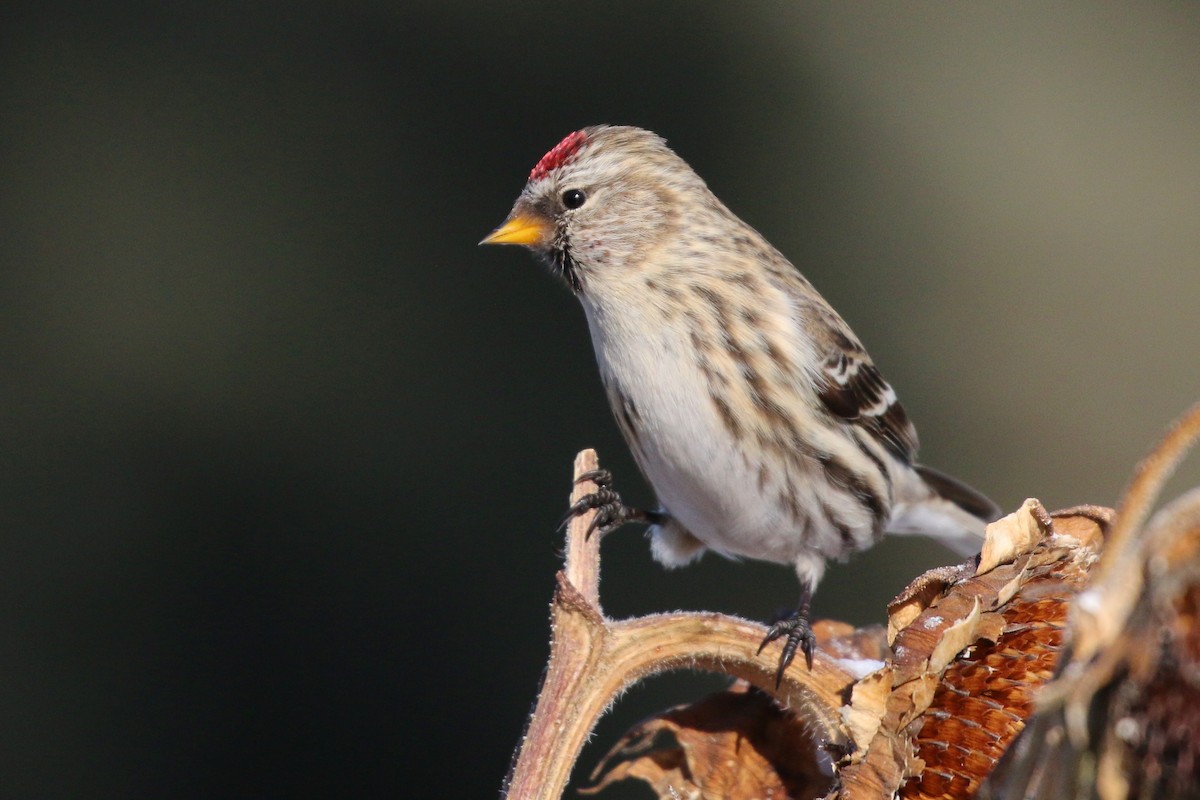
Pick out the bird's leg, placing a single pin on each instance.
(611, 512)
(799, 634)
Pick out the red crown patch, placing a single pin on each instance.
(562, 152)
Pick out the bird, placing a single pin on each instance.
(749, 405)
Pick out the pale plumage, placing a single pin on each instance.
(747, 401)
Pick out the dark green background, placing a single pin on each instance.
(281, 449)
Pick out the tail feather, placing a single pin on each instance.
(969, 500)
(944, 509)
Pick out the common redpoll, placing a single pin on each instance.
(750, 406)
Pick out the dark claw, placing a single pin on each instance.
(601, 477)
(798, 633)
(601, 499)
(611, 512)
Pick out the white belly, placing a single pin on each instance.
(712, 483)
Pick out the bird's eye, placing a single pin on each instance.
(573, 198)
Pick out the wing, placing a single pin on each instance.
(849, 384)
(855, 390)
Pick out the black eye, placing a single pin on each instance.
(573, 198)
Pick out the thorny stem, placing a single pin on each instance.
(593, 659)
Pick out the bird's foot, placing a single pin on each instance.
(611, 511)
(797, 634)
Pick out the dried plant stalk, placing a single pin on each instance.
(593, 659)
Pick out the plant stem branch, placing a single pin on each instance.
(593, 659)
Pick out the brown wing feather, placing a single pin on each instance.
(856, 391)
(853, 388)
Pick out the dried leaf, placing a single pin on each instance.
(868, 703)
(1085, 524)
(919, 594)
(737, 744)
(1012, 535)
(955, 639)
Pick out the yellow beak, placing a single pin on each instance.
(520, 228)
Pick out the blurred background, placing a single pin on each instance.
(283, 450)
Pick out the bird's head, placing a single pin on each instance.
(598, 202)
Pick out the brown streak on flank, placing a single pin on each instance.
(711, 297)
(777, 357)
(763, 477)
(768, 408)
(726, 414)
(800, 448)
(869, 453)
(718, 378)
(629, 430)
(630, 409)
(842, 476)
(627, 418)
(789, 501)
(758, 388)
(705, 365)
(702, 348)
(724, 328)
(749, 316)
(849, 543)
(769, 442)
